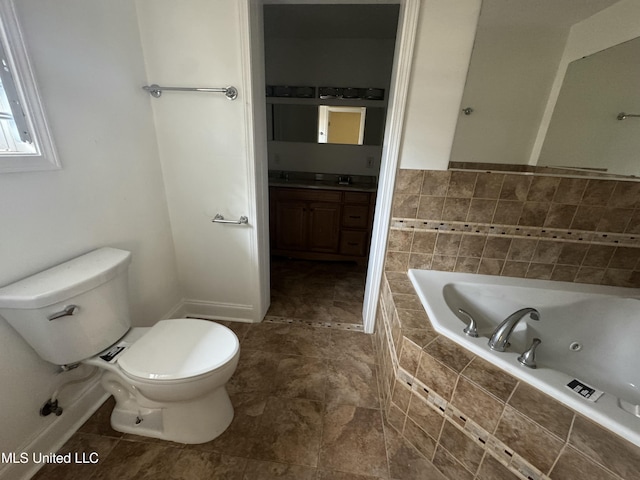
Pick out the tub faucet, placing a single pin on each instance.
(500, 338)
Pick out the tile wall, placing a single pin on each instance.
(558, 228)
(472, 420)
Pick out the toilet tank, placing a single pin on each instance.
(95, 283)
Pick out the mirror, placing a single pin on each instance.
(341, 125)
(585, 128)
(546, 82)
(346, 125)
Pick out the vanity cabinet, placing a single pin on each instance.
(320, 224)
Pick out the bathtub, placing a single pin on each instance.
(589, 358)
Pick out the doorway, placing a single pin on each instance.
(395, 99)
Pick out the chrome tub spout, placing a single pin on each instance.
(500, 338)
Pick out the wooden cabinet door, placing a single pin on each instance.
(291, 225)
(324, 227)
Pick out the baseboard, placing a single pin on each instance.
(56, 434)
(219, 311)
(178, 311)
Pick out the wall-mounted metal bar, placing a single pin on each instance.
(156, 90)
(622, 115)
(220, 219)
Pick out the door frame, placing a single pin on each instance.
(252, 59)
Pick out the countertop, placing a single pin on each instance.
(323, 181)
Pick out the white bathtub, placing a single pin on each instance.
(589, 333)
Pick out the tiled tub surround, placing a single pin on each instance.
(472, 420)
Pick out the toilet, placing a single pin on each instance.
(168, 380)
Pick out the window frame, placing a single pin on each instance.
(45, 156)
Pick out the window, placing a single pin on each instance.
(25, 140)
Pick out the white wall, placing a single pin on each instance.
(89, 66)
(329, 62)
(204, 149)
(441, 58)
(325, 158)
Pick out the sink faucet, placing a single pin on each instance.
(500, 337)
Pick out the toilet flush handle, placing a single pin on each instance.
(68, 310)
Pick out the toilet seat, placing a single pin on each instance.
(179, 349)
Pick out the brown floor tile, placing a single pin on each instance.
(351, 346)
(197, 465)
(256, 372)
(346, 312)
(301, 377)
(258, 470)
(290, 432)
(353, 441)
(314, 309)
(351, 382)
(287, 339)
(138, 461)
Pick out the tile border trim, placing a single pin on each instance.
(513, 231)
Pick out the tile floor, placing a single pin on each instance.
(305, 395)
(317, 293)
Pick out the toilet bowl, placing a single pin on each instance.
(168, 380)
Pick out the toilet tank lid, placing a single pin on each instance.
(66, 280)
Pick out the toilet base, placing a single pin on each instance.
(192, 422)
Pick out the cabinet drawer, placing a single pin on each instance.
(308, 194)
(357, 197)
(353, 242)
(355, 216)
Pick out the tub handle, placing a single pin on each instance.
(528, 358)
(472, 329)
(68, 310)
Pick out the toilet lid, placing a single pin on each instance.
(179, 348)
